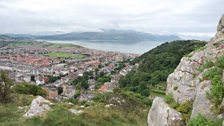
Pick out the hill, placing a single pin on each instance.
(157, 64)
(111, 36)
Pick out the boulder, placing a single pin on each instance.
(202, 105)
(161, 114)
(38, 107)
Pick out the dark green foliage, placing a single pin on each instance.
(60, 90)
(82, 81)
(104, 79)
(5, 87)
(77, 94)
(25, 88)
(202, 121)
(52, 79)
(157, 64)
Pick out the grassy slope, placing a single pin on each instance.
(96, 114)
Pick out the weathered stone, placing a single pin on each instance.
(75, 111)
(68, 91)
(182, 82)
(221, 24)
(38, 107)
(161, 114)
(202, 105)
(222, 20)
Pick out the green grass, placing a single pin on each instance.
(92, 116)
(157, 92)
(202, 121)
(96, 114)
(59, 45)
(43, 44)
(65, 55)
(214, 74)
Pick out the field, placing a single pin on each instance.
(65, 55)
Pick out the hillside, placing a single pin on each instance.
(195, 90)
(157, 64)
(111, 36)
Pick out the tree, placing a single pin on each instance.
(5, 87)
(26, 88)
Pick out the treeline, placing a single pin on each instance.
(82, 81)
(157, 64)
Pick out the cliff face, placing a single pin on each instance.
(186, 83)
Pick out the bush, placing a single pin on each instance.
(169, 100)
(185, 109)
(5, 87)
(77, 94)
(26, 88)
(208, 64)
(220, 62)
(217, 89)
(202, 121)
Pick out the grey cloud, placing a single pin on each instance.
(175, 16)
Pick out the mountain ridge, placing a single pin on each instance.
(111, 36)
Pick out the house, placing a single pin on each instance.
(106, 87)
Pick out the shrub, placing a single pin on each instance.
(175, 88)
(77, 94)
(220, 62)
(185, 109)
(217, 89)
(206, 65)
(5, 87)
(202, 121)
(26, 88)
(60, 90)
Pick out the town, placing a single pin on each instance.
(74, 70)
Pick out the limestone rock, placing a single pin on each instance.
(68, 91)
(221, 24)
(182, 82)
(75, 111)
(161, 114)
(202, 105)
(38, 107)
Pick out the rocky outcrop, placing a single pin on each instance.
(202, 104)
(185, 82)
(161, 114)
(38, 107)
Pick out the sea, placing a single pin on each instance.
(135, 48)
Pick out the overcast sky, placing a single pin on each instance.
(153, 16)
